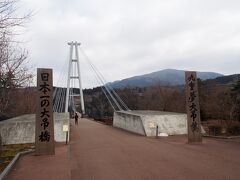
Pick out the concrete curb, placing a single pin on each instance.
(222, 137)
(11, 164)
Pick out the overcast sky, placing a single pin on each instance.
(124, 38)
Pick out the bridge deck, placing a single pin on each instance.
(102, 152)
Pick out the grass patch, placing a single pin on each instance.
(10, 151)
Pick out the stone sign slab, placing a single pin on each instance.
(193, 109)
(44, 133)
(152, 125)
(65, 128)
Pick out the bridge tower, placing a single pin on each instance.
(74, 73)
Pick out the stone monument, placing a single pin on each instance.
(0, 145)
(193, 109)
(44, 132)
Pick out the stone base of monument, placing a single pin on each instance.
(21, 129)
(151, 123)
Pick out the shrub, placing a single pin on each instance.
(234, 130)
(215, 130)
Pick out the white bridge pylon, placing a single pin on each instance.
(73, 75)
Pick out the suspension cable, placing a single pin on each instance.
(105, 84)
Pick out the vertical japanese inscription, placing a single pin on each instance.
(44, 133)
(193, 109)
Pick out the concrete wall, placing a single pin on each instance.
(145, 122)
(61, 119)
(22, 129)
(170, 124)
(129, 122)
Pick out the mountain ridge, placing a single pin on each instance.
(169, 77)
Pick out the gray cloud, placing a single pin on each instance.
(131, 37)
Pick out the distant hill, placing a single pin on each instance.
(224, 80)
(171, 77)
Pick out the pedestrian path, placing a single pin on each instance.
(105, 153)
(100, 152)
(31, 167)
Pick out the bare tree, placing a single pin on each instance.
(235, 95)
(14, 71)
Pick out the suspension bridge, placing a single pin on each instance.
(141, 122)
(65, 98)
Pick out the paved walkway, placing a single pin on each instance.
(31, 167)
(104, 153)
(100, 152)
